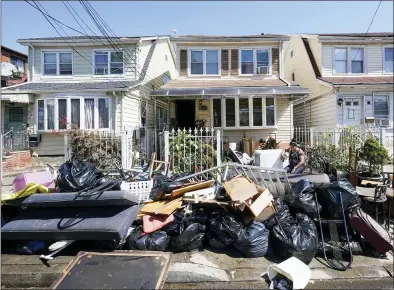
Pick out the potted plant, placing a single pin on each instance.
(374, 156)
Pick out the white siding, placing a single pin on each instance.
(327, 60)
(281, 133)
(51, 144)
(320, 111)
(131, 112)
(83, 63)
(374, 59)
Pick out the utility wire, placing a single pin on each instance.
(365, 35)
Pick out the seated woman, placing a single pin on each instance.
(296, 159)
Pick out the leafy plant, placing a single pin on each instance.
(374, 154)
(190, 154)
(270, 144)
(199, 124)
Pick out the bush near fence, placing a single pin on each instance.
(103, 149)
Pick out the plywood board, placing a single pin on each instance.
(116, 270)
(240, 189)
(161, 207)
(193, 187)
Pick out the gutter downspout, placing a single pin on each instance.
(30, 77)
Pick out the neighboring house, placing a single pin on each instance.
(13, 112)
(350, 77)
(94, 83)
(234, 84)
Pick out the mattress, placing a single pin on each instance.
(69, 199)
(79, 223)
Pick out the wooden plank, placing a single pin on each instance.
(181, 191)
(161, 207)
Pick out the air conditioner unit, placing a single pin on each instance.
(101, 70)
(384, 123)
(263, 70)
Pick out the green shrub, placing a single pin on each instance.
(374, 154)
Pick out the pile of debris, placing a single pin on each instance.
(257, 211)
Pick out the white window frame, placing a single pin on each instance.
(57, 52)
(237, 124)
(108, 63)
(269, 48)
(384, 57)
(388, 104)
(82, 98)
(349, 59)
(204, 61)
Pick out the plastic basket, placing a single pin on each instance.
(141, 188)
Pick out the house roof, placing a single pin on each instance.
(39, 87)
(14, 51)
(362, 80)
(242, 38)
(201, 87)
(370, 34)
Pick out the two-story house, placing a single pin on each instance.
(93, 83)
(231, 83)
(350, 77)
(13, 110)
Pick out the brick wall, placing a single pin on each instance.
(16, 161)
(6, 57)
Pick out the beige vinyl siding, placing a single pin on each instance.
(374, 59)
(282, 132)
(318, 112)
(83, 63)
(327, 60)
(50, 145)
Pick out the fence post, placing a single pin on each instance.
(311, 136)
(166, 148)
(334, 137)
(218, 149)
(123, 141)
(66, 149)
(382, 136)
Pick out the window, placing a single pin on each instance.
(270, 111)
(217, 112)
(230, 112)
(204, 62)
(381, 106)
(255, 61)
(244, 112)
(143, 108)
(349, 60)
(108, 62)
(161, 118)
(57, 63)
(19, 63)
(340, 60)
(15, 114)
(388, 59)
(357, 59)
(80, 112)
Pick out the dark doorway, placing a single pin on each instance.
(185, 113)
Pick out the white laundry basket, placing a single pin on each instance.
(293, 269)
(141, 188)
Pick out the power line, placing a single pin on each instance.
(365, 35)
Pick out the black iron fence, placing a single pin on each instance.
(15, 141)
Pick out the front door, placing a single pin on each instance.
(15, 117)
(185, 114)
(352, 111)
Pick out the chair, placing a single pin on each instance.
(379, 198)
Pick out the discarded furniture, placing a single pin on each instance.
(316, 179)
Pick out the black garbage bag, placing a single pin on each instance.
(329, 197)
(303, 198)
(226, 227)
(192, 238)
(214, 242)
(175, 228)
(77, 175)
(253, 242)
(199, 215)
(162, 185)
(156, 241)
(298, 239)
(282, 214)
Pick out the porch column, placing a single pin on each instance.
(304, 121)
(168, 115)
(154, 123)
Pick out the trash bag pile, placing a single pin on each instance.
(184, 214)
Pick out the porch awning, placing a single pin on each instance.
(18, 98)
(294, 91)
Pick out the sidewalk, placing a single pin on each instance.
(206, 270)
